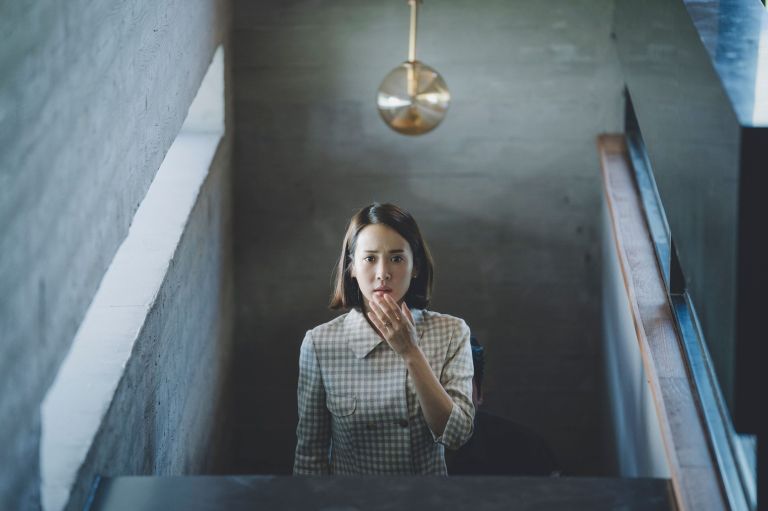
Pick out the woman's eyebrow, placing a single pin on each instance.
(396, 251)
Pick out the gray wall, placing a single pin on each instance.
(507, 192)
(169, 413)
(91, 96)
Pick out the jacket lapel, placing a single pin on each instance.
(362, 338)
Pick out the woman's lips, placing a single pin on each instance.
(382, 291)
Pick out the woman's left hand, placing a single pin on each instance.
(395, 323)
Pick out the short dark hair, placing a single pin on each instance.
(478, 360)
(346, 293)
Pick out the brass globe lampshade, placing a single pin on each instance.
(413, 98)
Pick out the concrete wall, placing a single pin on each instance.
(91, 96)
(507, 192)
(633, 444)
(169, 414)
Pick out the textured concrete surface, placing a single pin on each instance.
(122, 321)
(168, 413)
(91, 96)
(506, 190)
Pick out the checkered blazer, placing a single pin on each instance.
(358, 408)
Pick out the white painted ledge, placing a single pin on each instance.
(85, 385)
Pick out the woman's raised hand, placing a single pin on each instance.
(395, 323)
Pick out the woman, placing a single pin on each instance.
(384, 387)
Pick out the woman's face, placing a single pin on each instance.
(382, 263)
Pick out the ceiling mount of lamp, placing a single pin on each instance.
(413, 98)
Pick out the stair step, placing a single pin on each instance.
(425, 493)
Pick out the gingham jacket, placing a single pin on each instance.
(358, 408)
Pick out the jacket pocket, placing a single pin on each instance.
(341, 405)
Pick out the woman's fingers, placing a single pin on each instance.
(386, 323)
(407, 313)
(392, 309)
(378, 312)
(394, 322)
(376, 321)
(388, 316)
(385, 307)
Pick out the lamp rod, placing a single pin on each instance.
(412, 39)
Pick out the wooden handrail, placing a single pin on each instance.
(695, 477)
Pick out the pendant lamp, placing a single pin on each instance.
(413, 98)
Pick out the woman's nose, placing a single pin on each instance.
(383, 274)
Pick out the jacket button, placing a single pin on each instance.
(402, 423)
(370, 425)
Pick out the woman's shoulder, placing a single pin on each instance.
(330, 339)
(433, 319)
(442, 331)
(329, 330)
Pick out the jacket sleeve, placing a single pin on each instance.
(456, 379)
(314, 429)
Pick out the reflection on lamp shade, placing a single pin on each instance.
(413, 98)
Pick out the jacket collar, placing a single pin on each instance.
(361, 336)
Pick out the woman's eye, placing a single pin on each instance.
(397, 259)
(368, 259)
